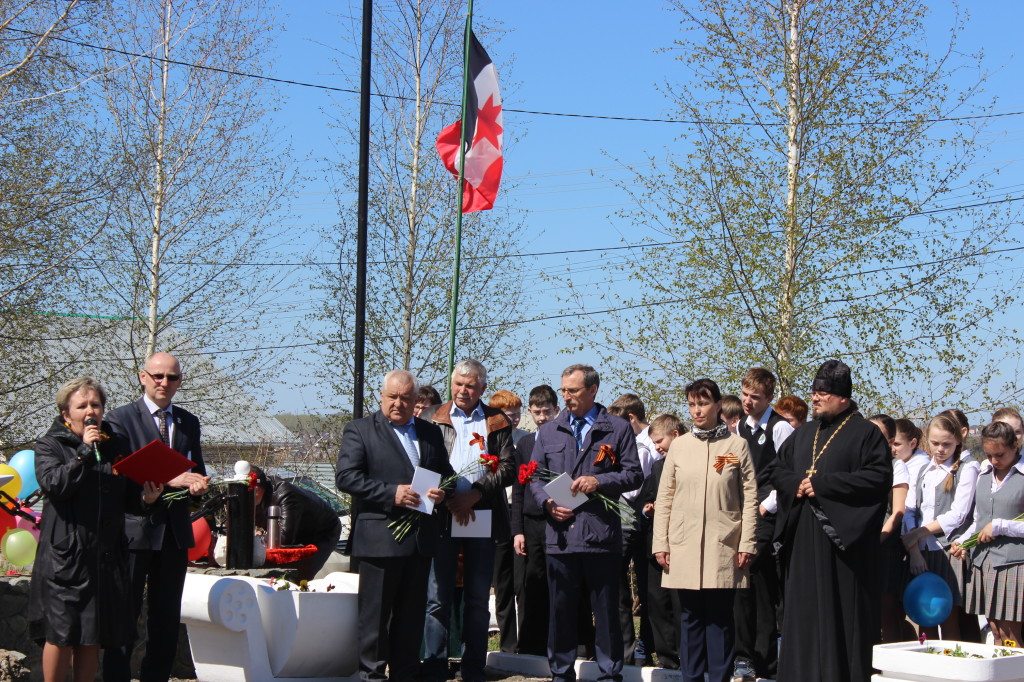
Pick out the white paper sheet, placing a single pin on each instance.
(422, 481)
(479, 528)
(558, 490)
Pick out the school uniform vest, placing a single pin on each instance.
(762, 451)
(943, 503)
(1005, 503)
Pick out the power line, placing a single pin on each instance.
(573, 314)
(534, 254)
(532, 112)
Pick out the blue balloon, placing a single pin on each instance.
(24, 463)
(928, 600)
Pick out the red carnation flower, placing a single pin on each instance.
(526, 472)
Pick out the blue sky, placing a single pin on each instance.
(594, 57)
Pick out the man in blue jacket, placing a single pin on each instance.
(584, 547)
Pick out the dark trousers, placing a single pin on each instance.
(757, 606)
(392, 608)
(634, 553)
(757, 630)
(505, 596)
(532, 589)
(706, 634)
(569, 577)
(161, 576)
(663, 612)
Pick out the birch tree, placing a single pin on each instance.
(201, 179)
(809, 205)
(417, 71)
(52, 198)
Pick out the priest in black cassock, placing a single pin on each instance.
(833, 477)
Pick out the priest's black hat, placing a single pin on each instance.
(833, 377)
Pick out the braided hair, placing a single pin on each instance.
(951, 425)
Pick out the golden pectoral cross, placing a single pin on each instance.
(811, 471)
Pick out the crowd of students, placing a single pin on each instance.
(942, 496)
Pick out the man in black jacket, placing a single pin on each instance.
(305, 518)
(158, 543)
(471, 429)
(757, 606)
(378, 457)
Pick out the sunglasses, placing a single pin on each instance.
(161, 377)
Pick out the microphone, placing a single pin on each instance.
(91, 421)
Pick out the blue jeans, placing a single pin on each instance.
(478, 569)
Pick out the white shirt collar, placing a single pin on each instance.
(761, 423)
(153, 407)
(947, 466)
(477, 412)
(986, 466)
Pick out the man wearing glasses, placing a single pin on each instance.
(584, 545)
(158, 543)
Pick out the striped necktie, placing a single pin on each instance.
(409, 445)
(577, 430)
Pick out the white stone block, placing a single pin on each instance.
(911, 661)
(242, 630)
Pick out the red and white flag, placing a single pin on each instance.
(483, 163)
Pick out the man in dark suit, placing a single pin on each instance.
(378, 456)
(158, 543)
(584, 546)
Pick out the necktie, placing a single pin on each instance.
(409, 445)
(161, 417)
(577, 429)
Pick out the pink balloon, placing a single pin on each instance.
(31, 527)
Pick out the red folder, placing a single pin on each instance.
(154, 462)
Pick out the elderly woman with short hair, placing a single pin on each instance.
(79, 590)
(704, 520)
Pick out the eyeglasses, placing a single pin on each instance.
(161, 377)
(572, 391)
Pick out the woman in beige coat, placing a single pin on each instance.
(704, 519)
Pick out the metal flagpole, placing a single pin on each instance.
(358, 364)
(458, 216)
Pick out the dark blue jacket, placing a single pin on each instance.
(593, 528)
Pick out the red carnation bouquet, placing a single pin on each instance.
(530, 470)
(401, 526)
(526, 472)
